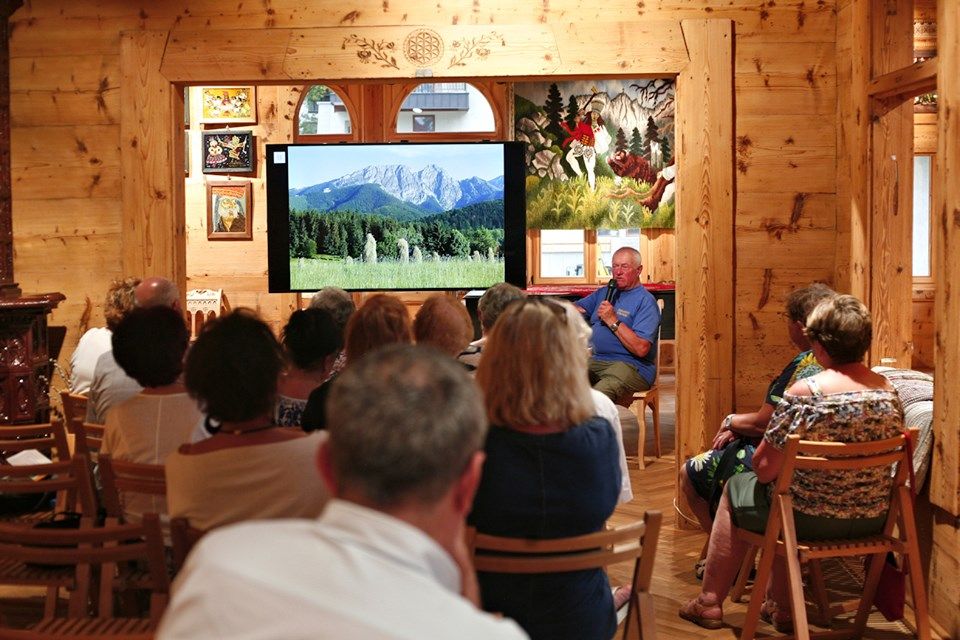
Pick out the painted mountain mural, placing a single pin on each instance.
(407, 224)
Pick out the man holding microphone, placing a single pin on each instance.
(625, 318)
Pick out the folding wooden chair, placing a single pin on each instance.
(120, 477)
(638, 403)
(780, 537)
(636, 541)
(88, 439)
(183, 537)
(74, 409)
(91, 555)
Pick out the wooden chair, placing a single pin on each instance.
(120, 477)
(74, 409)
(90, 555)
(636, 541)
(780, 537)
(638, 403)
(183, 538)
(88, 439)
(70, 480)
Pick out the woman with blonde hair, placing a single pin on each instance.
(551, 470)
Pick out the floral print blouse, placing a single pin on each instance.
(849, 416)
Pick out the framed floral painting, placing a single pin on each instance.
(228, 151)
(228, 105)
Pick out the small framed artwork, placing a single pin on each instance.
(228, 151)
(228, 105)
(229, 210)
(425, 123)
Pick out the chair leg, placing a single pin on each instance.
(639, 408)
(50, 603)
(801, 627)
(913, 565)
(736, 594)
(655, 409)
(749, 630)
(820, 595)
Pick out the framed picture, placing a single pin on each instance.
(228, 151)
(228, 105)
(424, 123)
(229, 210)
(186, 152)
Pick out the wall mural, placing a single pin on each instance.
(599, 153)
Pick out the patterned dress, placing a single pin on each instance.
(849, 416)
(702, 468)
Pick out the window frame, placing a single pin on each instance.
(343, 92)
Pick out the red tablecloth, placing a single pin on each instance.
(583, 290)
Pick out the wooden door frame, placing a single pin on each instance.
(156, 65)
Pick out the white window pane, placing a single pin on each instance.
(921, 215)
(561, 253)
(609, 241)
(445, 107)
(322, 112)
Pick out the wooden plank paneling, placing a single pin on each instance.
(759, 249)
(43, 108)
(705, 333)
(923, 328)
(784, 213)
(66, 73)
(152, 161)
(945, 479)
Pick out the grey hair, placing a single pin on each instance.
(494, 300)
(575, 318)
(336, 302)
(637, 258)
(404, 422)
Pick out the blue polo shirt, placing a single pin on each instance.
(636, 308)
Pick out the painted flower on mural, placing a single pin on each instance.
(372, 51)
(468, 47)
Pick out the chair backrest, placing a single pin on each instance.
(74, 409)
(43, 437)
(636, 541)
(88, 545)
(88, 438)
(120, 476)
(183, 537)
(69, 478)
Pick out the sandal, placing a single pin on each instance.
(693, 611)
(771, 614)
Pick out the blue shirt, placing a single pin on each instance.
(636, 308)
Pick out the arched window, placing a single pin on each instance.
(445, 107)
(323, 111)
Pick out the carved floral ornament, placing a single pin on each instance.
(422, 48)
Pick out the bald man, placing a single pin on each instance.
(111, 385)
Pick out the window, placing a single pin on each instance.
(922, 197)
(445, 107)
(323, 112)
(561, 253)
(608, 242)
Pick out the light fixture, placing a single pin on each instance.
(417, 110)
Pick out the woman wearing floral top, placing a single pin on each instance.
(847, 402)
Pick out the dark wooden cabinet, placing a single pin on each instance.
(25, 366)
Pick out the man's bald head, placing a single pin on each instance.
(157, 292)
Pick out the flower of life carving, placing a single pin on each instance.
(423, 47)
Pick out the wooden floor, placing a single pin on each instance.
(674, 582)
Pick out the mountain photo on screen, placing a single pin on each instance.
(396, 216)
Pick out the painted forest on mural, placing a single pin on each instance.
(599, 153)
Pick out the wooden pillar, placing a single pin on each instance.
(945, 477)
(8, 288)
(705, 209)
(151, 148)
(891, 180)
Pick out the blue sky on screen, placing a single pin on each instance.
(309, 165)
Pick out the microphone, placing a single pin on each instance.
(611, 291)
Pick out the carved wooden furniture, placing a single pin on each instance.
(25, 366)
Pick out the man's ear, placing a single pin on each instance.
(466, 487)
(325, 466)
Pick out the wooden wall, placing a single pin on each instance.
(66, 144)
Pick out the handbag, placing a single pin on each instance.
(892, 589)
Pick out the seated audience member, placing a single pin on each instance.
(312, 341)
(444, 323)
(740, 433)
(96, 342)
(382, 320)
(388, 558)
(149, 344)
(846, 402)
(249, 468)
(340, 306)
(552, 469)
(625, 322)
(492, 303)
(110, 385)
